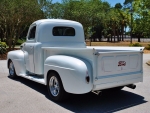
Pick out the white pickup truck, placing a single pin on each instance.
(55, 54)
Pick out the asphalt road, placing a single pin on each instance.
(24, 96)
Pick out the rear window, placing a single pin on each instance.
(63, 31)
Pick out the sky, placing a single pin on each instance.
(111, 2)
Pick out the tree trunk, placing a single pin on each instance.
(9, 44)
(139, 38)
(108, 38)
(114, 35)
(111, 37)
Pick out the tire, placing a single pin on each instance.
(12, 72)
(55, 88)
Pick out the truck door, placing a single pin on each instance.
(29, 49)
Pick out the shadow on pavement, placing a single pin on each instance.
(91, 103)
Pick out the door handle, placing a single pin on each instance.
(31, 47)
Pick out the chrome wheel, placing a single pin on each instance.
(54, 86)
(11, 69)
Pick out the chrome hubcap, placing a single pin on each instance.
(11, 69)
(54, 86)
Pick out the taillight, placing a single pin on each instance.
(87, 78)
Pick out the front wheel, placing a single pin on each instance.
(12, 72)
(55, 87)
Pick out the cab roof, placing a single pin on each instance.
(55, 21)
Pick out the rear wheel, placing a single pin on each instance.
(55, 87)
(12, 72)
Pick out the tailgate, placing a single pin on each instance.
(118, 68)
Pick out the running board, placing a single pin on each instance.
(34, 78)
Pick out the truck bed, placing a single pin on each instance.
(111, 66)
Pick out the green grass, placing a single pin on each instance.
(20, 41)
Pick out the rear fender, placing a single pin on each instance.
(72, 72)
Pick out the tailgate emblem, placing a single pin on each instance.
(121, 63)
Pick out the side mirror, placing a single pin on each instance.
(21, 46)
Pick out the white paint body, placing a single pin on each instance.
(107, 67)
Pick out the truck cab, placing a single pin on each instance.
(52, 33)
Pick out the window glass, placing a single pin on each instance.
(63, 31)
(32, 33)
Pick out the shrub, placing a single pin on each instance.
(135, 45)
(3, 46)
(148, 47)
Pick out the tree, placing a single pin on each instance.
(15, 17)
(142, 22)
(122, 20)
